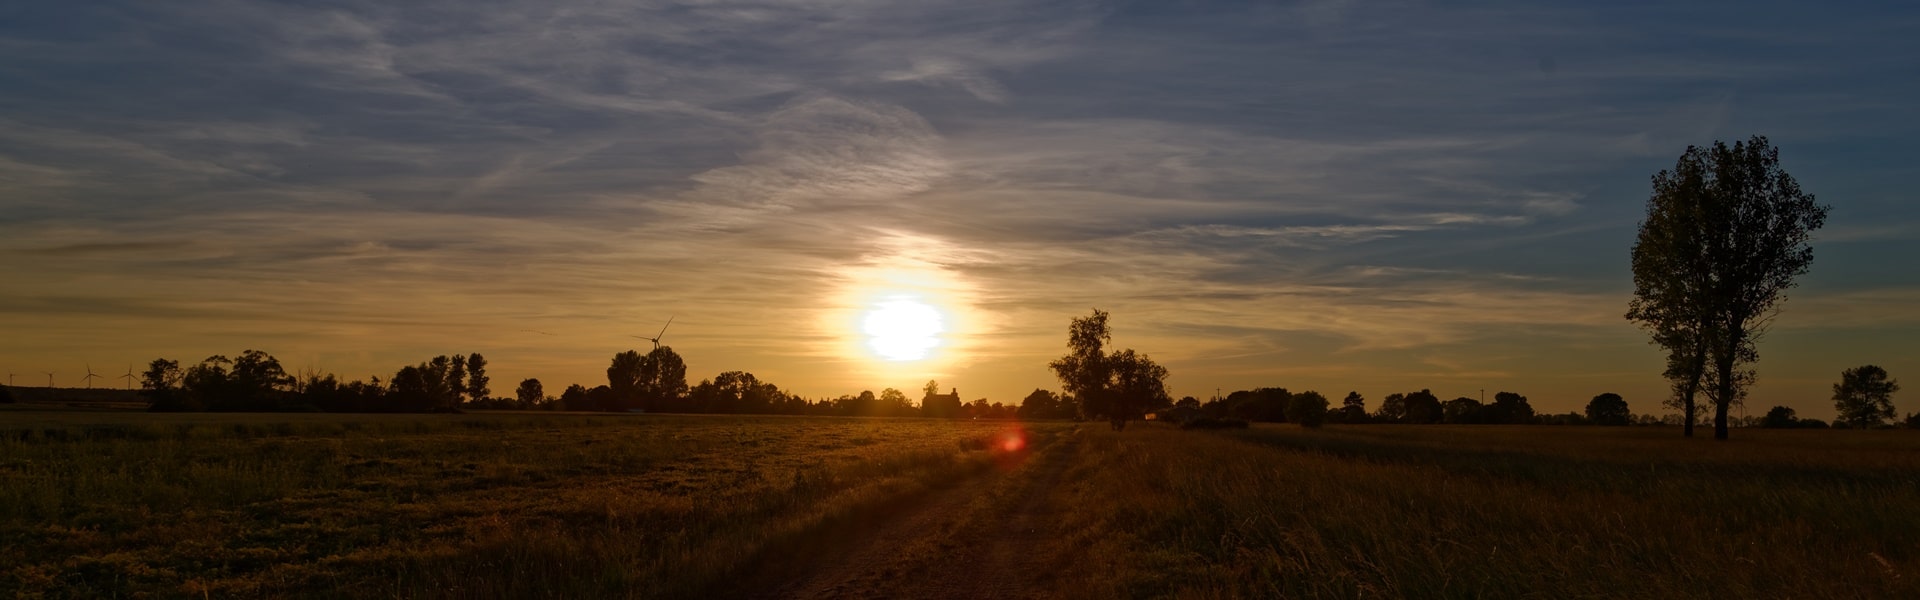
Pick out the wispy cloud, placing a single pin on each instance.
(1318, 192)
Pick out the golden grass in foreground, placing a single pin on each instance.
(1544, 512)
(102, 505)
(97, 505)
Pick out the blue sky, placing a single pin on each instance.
(1372, 196)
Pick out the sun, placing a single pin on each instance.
(902, 328)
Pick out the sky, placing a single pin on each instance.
(1331, 195)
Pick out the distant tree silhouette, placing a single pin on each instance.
(623, 378)
(530, 393)
(1262, 404)
(6, 395)
(1308, 409)
(737, 392)
(457, 380)
(1044, 404)
(1462, 411)
(1120, 386)
(1423, 407)
(253, 382)
(1509, 408)
(1780, 417)
(1393, 409)
(410, 391)
(477, 379)
(894, 401)
(603, 398)
(1864, 396)
(575, 399)
(931, 388)
(1726, 234)
(161, 385)
(1354, 408)
(663, 378)
(1608, 409)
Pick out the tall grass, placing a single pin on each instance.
(436, 506)
(1496, 512)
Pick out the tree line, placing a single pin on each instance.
(255, 381)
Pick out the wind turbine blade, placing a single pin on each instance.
(663, 330)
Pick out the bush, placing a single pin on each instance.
(1214, 423)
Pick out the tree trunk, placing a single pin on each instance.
(1726, 384)
(1697, 369)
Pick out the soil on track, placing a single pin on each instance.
(984, 537)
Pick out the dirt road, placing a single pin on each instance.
(984, 537)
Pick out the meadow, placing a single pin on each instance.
(106, 504)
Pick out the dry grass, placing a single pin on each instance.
(106, 505)
(1497, 512)
(437, 506)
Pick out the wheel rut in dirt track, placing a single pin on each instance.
(948, 545)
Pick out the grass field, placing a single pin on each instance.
(532, 505)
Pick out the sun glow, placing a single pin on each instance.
(901, 328)
(904, 314)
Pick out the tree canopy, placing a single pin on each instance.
(1117, 386)
(1726, 235)
(1864, 396)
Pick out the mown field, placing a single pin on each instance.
(564, 506)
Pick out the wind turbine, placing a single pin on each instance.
(656, 338)
(49, 379)
(129, 376)
(90, 376)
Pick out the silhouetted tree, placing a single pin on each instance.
(1780, 417)
(1462, 411)
(1608, 409)
(253, 382)
(575, 399)
(1726, 235)
(1510, 409)
(1262, 404)
(894, 402)
(603, 398)
(1044, 404)
(161, 385)
(1084, 372)
(1119, 386)
(1308, 409)
(530, 393)
(623, 377)
(930, 389)
(1354, 408)
(1393, 409)
(477, 380)
(410, 391)
(1423, 407)
(1864, 396)
(457, 380)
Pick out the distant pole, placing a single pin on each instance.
(1483, 395)
(49, 380)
